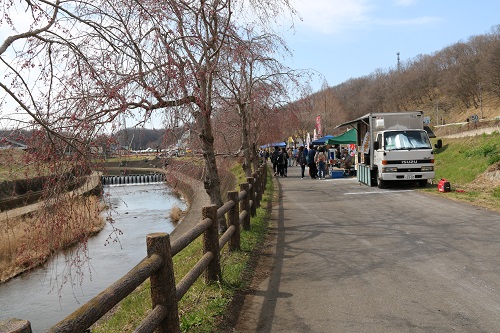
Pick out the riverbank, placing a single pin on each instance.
(185, 177)
(27, 239)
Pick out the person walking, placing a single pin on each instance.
(295, 153)
(284, 163)
(313, 171)
(302, 161)
(274, 160)
(320, 160)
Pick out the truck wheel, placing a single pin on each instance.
(422, 183)
(381, 183)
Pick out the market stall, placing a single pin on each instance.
(344, 162)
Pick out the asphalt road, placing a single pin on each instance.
(349, 258)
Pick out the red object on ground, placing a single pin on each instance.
(444, 186)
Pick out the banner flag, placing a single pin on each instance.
(318, 126)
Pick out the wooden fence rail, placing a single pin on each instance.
(158, 265)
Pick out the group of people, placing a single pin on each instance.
(316, 159)
(280, 160)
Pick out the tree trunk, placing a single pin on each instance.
(212, 180)
(247, 166)
(254, 157)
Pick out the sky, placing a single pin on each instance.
(343, 39)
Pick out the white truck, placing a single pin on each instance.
(393, 147)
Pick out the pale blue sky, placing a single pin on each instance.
(345, 39)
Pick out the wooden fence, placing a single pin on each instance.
(158, 265)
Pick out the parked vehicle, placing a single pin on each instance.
(393, 147)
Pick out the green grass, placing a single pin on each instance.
(460, 161)
(203, 306)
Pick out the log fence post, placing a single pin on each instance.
(253, 209)
(163, 290)
(258, 187)
(211, 244)
(234, 219)
(15, 326)
(245, 205)
(163, 287)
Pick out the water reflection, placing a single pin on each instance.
(38, 296)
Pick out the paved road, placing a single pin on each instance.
(349, 258)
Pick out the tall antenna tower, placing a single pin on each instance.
(399, 64)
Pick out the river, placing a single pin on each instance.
(49, 293)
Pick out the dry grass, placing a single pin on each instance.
(28, 241)
(176, 214)
(11, 164)
(490, 179)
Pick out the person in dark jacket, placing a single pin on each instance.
(283, 163)
(274, 160)
(313, 170)
(302, 161)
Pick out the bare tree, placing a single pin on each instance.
(253, 76)
(99, 62)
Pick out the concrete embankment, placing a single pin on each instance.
(92, 185)
(192, 190)
(474, 132)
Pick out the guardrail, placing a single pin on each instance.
(158, 265)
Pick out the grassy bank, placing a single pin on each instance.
(29, 240)
(203, 308)
(472, 166)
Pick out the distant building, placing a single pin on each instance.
(6, 143)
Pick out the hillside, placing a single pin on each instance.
(450, 86)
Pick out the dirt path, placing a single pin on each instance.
(191, 189)
(197, 199)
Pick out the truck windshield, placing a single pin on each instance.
(397, 140)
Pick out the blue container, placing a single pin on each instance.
(337, 174)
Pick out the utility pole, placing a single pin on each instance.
(481, 99)
(324, 89)
(437, 116)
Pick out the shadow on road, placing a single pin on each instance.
(271, 295)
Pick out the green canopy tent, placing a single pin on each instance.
(348, 137)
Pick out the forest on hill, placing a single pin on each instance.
(450, 86)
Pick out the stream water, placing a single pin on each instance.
(49, 293)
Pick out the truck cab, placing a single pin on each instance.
(391, 147)
(403, 155)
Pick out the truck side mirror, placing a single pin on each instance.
(439, 144)
(376, 145)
